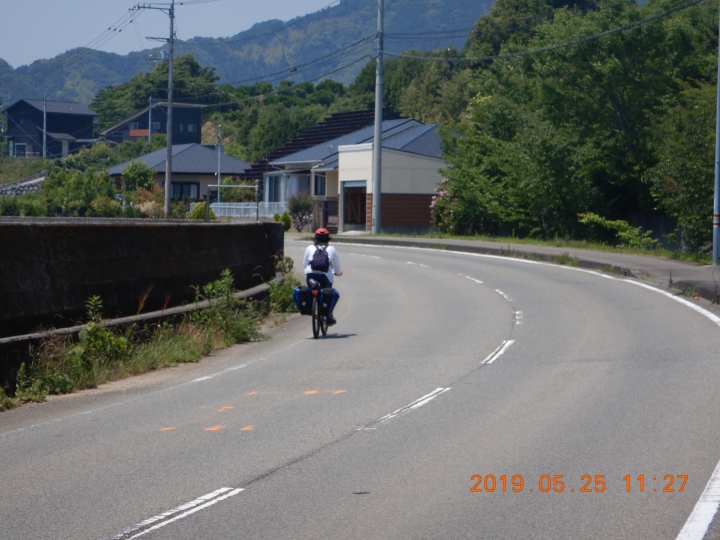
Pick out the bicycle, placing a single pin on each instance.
(319, 319)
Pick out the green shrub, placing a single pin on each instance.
(626, 234)
(5, 401)
(287, 222)
(198, 212)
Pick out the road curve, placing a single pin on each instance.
(442, 366)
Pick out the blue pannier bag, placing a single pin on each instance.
(303, 300)
(328, 299)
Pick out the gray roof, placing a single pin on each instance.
(189, 159)
(422, 140)
(415, 138)
(58, 107)
(322, 151)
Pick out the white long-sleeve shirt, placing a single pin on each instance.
(332, 256)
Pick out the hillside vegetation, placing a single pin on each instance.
(567, 143)
(79, 74)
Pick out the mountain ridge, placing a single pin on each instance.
(269, 47)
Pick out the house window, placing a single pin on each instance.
(155, 126)
(272, 189)
(20, 150)
(11, 148)
(319, 184)
(192, 128)
(134, 125)
(303, 184)
(185, 190)
(182, 126)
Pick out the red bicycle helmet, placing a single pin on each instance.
(322, 235)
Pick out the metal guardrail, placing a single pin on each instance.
(248, 210)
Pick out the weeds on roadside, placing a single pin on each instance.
(62, 364)
(281, 298)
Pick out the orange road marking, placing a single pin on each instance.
(253, 393)
(167, 429)
(247, 428)
(203, 407)
(226, 408)
(338, 392)
(311, 392)
(215, 428)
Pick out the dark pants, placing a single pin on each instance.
(324, 282)
(322, 279)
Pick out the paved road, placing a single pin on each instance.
(442, 366)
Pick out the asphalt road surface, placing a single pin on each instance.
(577, 399)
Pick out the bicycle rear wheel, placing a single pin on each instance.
(316, 317)
(323, 324)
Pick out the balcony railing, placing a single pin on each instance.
(248, 210)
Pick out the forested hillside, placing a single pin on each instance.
(265, 49)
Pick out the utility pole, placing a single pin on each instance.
(716, 203)
(219, 151)
(149, 119)
(168, 160)
(44, 126)
(377, 141)
(171, 40)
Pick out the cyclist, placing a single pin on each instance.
(322, 266)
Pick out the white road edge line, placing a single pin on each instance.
(497, 353)
(197, 504)
(402, 411)
(189, 512)
(702, 516)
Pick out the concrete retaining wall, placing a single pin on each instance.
(49, 267)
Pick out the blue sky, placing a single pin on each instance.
(35, 29)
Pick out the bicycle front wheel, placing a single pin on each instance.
(316, 323)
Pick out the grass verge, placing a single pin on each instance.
(62, 364)
(699, 258)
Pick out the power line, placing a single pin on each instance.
(552, 47)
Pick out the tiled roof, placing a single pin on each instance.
(190, 159)
(326, 149)
(335, 126)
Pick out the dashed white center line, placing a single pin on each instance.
(402, 411)
(505, 296)
(471, 278)
(368, 256)
(497, 353)
(518, 318)
(418, 264)
(177, 513)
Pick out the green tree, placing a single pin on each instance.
(682, 180)
(138, 174)
(301, 208)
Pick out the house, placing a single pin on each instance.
(194, 168)
(69, 128)
(187, 124)
(338, 173)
